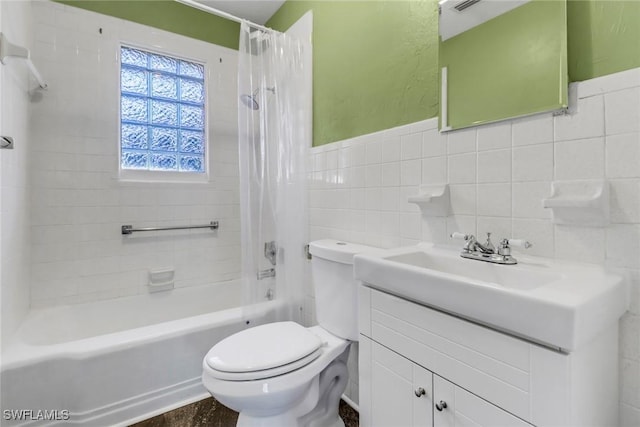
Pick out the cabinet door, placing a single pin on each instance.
(401, 391)
(456, 407)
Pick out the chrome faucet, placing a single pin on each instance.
(487, 252)
(472, 245)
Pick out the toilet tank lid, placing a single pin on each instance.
(337, 250)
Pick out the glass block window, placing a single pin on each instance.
(162, 112)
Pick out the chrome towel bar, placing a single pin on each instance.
(128, 229)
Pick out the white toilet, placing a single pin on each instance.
(283, 374)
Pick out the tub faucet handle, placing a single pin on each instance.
(270, 251)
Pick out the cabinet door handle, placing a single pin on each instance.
(420, 392)
(442, 405)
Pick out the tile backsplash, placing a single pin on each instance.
(498, 175)
(78, 201)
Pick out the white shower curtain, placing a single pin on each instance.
(274, 120)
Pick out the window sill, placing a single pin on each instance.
(159, 177)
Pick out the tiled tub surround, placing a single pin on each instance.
(79, 202)
(14, 177)
(498, 175)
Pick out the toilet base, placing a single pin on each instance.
(325, 393)
(333, 382)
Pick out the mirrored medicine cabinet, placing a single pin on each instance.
(501, 59)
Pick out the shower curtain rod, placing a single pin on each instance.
(222, 14)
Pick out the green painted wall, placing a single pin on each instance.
(604, 37)
(375, 63)
(510, 66)
(170, 16)
(355, 92)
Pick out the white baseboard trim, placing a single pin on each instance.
(351, 403)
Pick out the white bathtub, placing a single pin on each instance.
(119, 361)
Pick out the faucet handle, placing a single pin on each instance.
(470, 241)
(519, 242)
(504, 248)
(458, 235)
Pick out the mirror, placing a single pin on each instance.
(501, 59)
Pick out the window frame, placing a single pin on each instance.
(142, 175)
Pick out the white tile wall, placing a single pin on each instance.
(15, 24)
(498, 175)
(79, 203)
(579, 159)
(623, 155)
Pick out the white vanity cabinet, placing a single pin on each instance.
(485, 377)
(404, 394)
(401, 391)
(466, 409)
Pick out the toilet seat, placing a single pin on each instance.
(266, 373)
(263, 351)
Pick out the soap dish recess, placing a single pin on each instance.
(579, 203)
(161, 279)
(433, 200)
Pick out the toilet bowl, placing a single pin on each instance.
(283, 374)
(294, 388)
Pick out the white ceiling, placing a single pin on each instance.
(257, 11)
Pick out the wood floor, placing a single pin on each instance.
(210, 413)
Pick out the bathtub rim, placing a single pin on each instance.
(18, 353)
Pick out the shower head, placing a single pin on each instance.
(251, 101)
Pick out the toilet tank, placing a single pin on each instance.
(336, 290)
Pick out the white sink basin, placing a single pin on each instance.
(561, 304)
(508, 277)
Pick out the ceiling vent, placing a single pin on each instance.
(465, 4)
